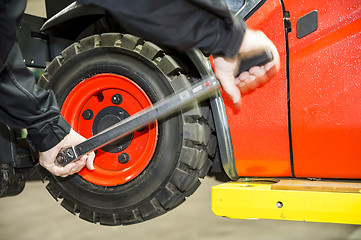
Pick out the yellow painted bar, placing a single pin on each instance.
(247, 200)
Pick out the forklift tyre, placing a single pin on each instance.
(149, 172)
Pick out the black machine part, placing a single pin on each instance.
(16, 161)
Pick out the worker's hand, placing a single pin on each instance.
(225, 68)
(47, 158)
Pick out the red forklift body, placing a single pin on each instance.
(307, 121)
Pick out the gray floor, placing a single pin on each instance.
(34, 214)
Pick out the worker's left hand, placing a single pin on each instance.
(47, 158)
(225, 68)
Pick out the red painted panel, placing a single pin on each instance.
(259, 129)
(325, 89)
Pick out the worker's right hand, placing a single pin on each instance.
(47, 158)
(225, 68)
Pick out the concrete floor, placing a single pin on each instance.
(34, 214)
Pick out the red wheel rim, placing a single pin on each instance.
(97, 103)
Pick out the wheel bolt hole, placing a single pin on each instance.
(100, 96)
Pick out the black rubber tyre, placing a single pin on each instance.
(185, 141)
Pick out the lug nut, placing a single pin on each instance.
(88, 114)
(117, 99)
(123, 158)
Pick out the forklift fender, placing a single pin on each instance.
(224, 140)
(72, 20)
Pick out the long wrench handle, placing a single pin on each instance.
(200, 90)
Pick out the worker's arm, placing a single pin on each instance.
(179, 24)
(202, 24)
(23, 104)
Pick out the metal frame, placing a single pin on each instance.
(296, 200)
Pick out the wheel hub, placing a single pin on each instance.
(107, 117)
(98, 103)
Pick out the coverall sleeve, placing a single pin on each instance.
(25, 105)
(22, 103)
(181, 24)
